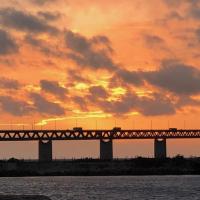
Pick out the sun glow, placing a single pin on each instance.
(81, 86)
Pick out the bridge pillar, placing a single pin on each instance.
(106, 150)
(45, 150)
(160, 148)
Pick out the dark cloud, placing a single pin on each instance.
(44, 46)
(129, 77)
(42, 2)
(6, 83)
(98, 97)
(153, 40)
(153, 105)
(102, 40)
(123, 106)
(174, 3)
(97, 92)
(191, 7)
(19, 20)
(195, 12)
(20, 108)
(174, 15)
(30, 39)
(93, 53)
(49, 16)
(194, 9)
(187, 101)
(14, 107)
(156, 105)
(197, 34)
(46, 107)
(175, 77)
(81, 102)
(53, 87)
(75, 76)
(7, 43)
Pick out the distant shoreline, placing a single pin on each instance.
(24, 197)
(94, 167)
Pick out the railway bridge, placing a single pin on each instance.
(106, 137)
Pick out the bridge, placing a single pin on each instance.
(106, 137)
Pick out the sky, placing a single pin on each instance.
(99, 64)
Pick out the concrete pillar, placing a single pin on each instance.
(160, 148)
(45, 150)
(106, 150)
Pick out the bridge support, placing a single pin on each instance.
(45, 150)
(160, 148)
(106, 150)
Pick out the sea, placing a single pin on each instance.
(105, 187)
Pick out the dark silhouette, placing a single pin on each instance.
(23, 197)
(97, 167)
(106, 137)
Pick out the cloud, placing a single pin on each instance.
(197, 33)
(174, 3)
(191, 9)
(20, 108)
(22, 21)
(175, 77)
(174, 15)
(41, 2)
(187, 100)
(195, 13)
(98, 92)
(74, 76)
(194, 9)
(80, 101)
(93, 53)
(49, 16)
(95, 95)
(14, 107)
(6, 83)
(123, 106)
(46, 107)
(130, 77)
(7, 43)
(154, 105)
(53, 87)
(176, 82)
(153, 40)
(43, 46)
(102, 40)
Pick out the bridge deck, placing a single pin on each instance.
(25, 135)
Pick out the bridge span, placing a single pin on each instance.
(106, 137)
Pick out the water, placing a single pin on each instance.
(103, 188)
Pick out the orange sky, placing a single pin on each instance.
(100, 64)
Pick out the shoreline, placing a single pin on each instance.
(94, 167)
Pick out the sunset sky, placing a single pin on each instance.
(99, 64)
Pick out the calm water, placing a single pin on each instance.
(122, 187)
